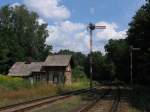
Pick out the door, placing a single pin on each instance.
(56, 77)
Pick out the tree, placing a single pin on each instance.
(21, 36)
(138, 33)
(101, 69)
(117, 53)
(139, 36)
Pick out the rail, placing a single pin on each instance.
(90, 105)
(39, 102)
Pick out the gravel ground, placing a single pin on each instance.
(103, 105)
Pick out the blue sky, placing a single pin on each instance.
(119, 11)
(67, 20)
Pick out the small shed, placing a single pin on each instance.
(56, 69)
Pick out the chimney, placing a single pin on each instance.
(29, 60)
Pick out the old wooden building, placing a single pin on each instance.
(56, 69)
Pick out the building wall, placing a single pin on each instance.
(55, 77)
(38, 77)
(55, 74)
(52, 75)
(68, 75)
(59, 75)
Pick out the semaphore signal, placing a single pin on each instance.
(91, 27)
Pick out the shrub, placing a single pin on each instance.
(78, 74)
(13, 83)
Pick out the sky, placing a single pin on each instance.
(68, 19)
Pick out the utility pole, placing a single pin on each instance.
(131, 66)
(92, 27)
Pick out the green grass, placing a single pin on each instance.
(66, 105)
(8, 97)
(80, 84)
(78, 74)
(15, 90)
(10, 83)
(132, 109)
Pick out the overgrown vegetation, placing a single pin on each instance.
(9, 83)
(78, 74)
(15, 90)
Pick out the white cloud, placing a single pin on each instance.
(68, 35)
(41, 21)
(49, 9)
(69, 26)
(73, 36)
(15, 4)
(110, 32)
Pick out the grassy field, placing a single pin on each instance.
(15, 90)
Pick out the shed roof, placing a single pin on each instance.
(23, 69)
(57, 60)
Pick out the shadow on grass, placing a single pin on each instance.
(140, 98)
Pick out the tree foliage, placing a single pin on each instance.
(139, 36)
(138, 33)
(101, 68)
(21, 36)
(117, 53)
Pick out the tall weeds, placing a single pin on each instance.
(15, 90)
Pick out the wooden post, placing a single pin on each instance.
(131, 66)
(91, 69)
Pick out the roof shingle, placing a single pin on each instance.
(57, 60)
(22, 69)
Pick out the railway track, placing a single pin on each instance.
(21, 107)
(90, 105)
(97, 105)
(116, 101)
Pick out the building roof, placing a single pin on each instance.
(23, 69)
(57, 60)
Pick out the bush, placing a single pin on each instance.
(78, 74)
(13, 83)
